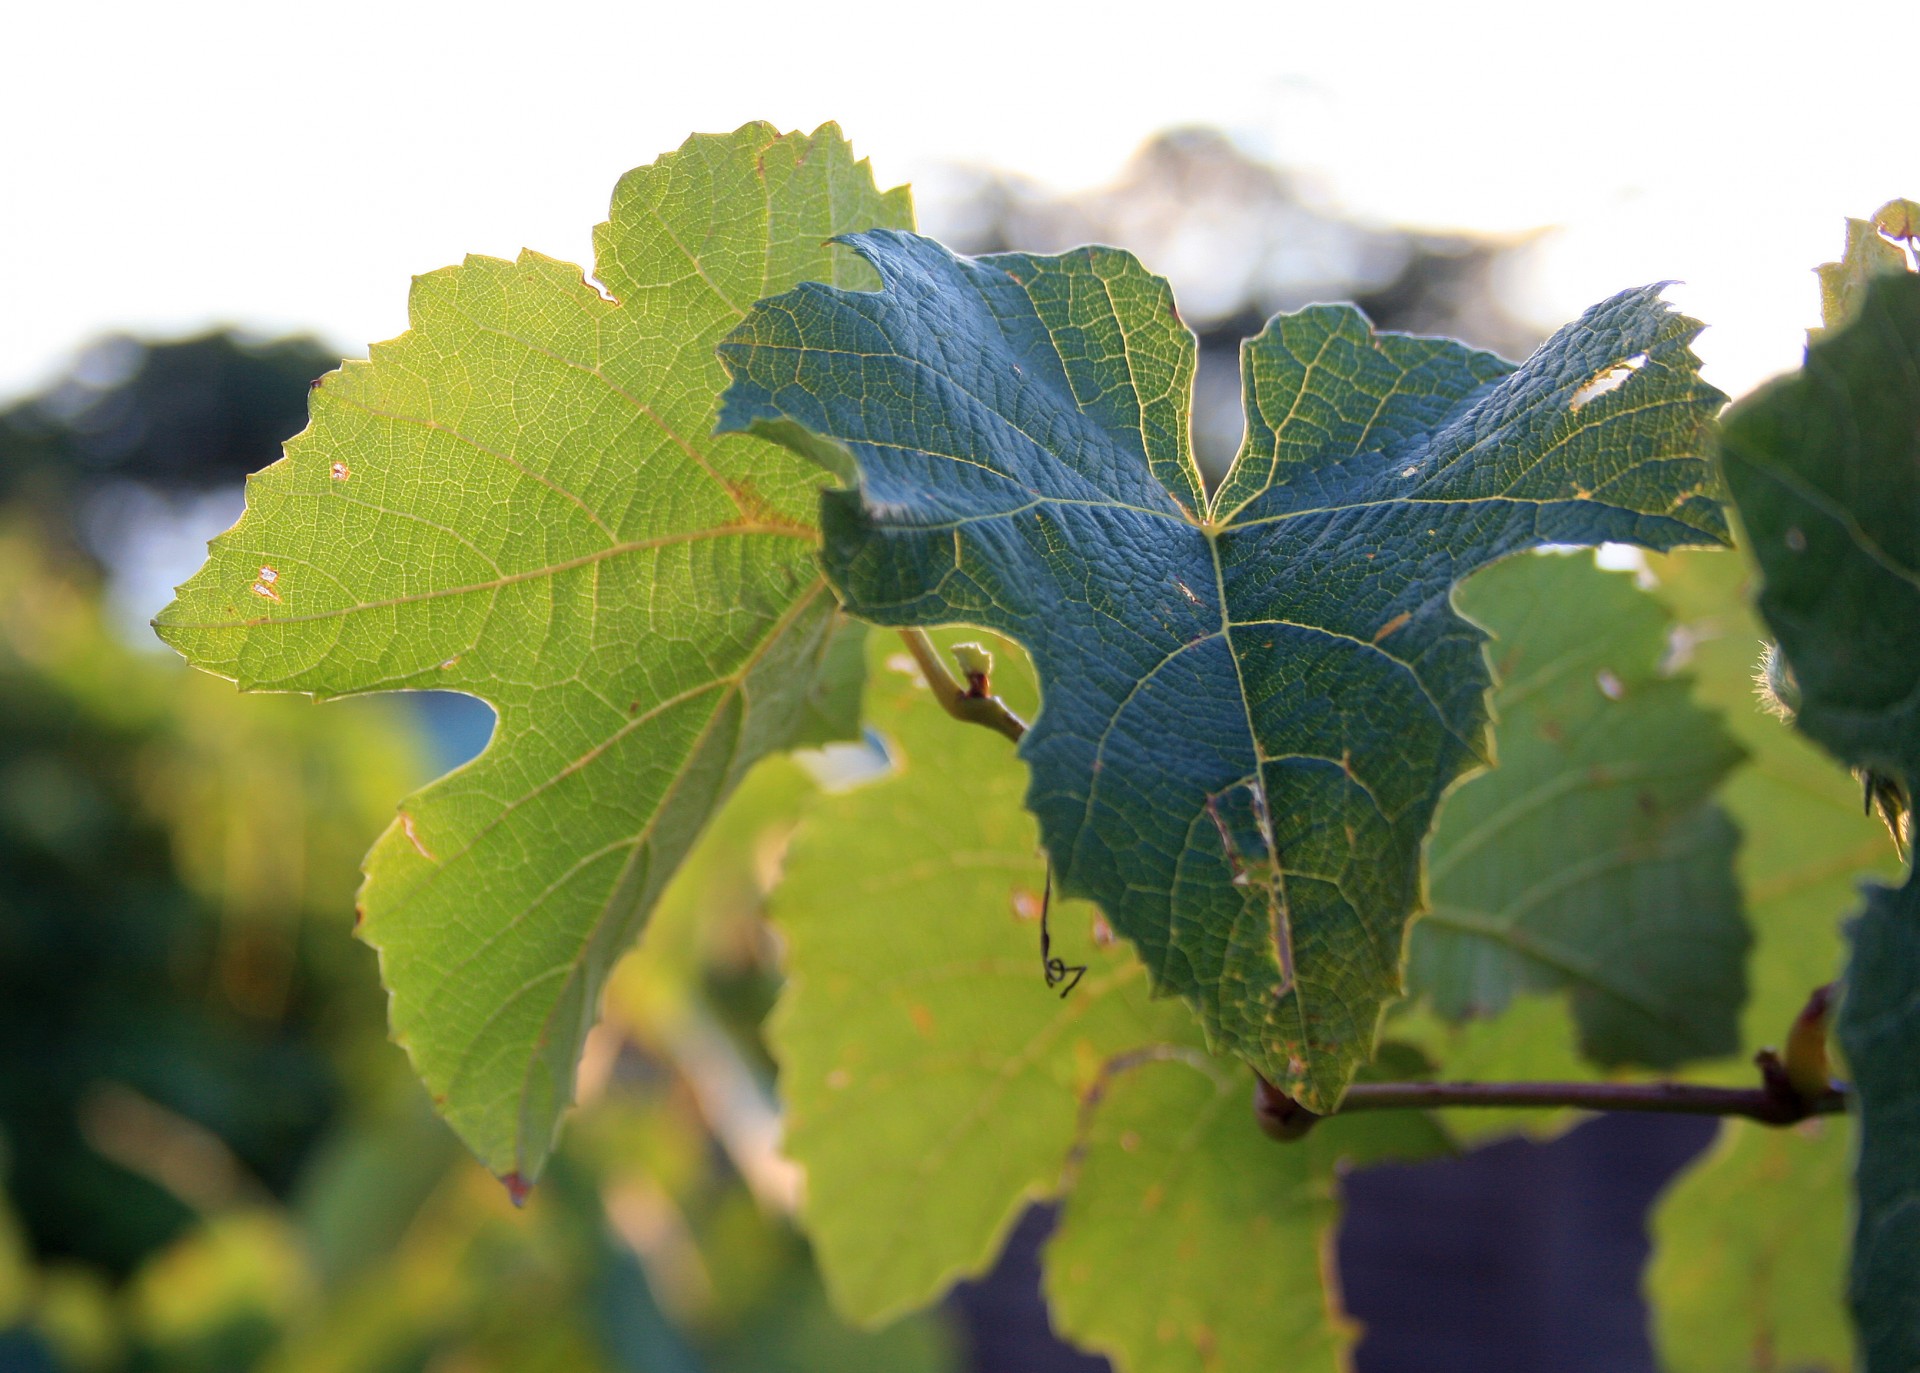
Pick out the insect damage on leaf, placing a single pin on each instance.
(1233, 760)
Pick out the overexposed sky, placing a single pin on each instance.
(281, 166)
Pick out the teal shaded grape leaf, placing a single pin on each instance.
(1824, 466)
(1592, 858)
(1254, 700)
(935, 1085)
(518, 499)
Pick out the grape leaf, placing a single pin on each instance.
(1591, 858)
(1843, 284)
(934, 1085)
(518, 499)
(1748, 1245)
(1190, 1242)
(1756, 1283)
(1825, 468)
(1255, 700)
(931, 1080)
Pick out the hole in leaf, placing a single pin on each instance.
(1612, 379)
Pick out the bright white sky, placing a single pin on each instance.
(168, 166)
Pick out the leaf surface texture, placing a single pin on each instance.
(519, 499)
(1255, 699)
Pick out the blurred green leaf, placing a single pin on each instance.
(518, 499)
(172, 862)
(932, 1081)
(1190, 1241)
(1748, 1246)
(1591, 859)
(1254, 701)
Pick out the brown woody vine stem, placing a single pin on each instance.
(1774, 1102)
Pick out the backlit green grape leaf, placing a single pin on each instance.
(1254, 701)
(932, 1081)
(1843, 284)
(935, 1085)
(1825, 468)
(519, 499)
(1190, 1242)
(1591, 859)
(1748, 1247)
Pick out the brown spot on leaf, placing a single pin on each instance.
(1204, 1342)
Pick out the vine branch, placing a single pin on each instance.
(971, 701)
(1789, 1092)
(1284, 1118)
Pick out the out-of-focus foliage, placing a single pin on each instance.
(1592, 858)
(1824, 466)
(216, 1162)
(172, 863)
(1755, 1283)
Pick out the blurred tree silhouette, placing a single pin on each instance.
(1241, 240)
(188, 414)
